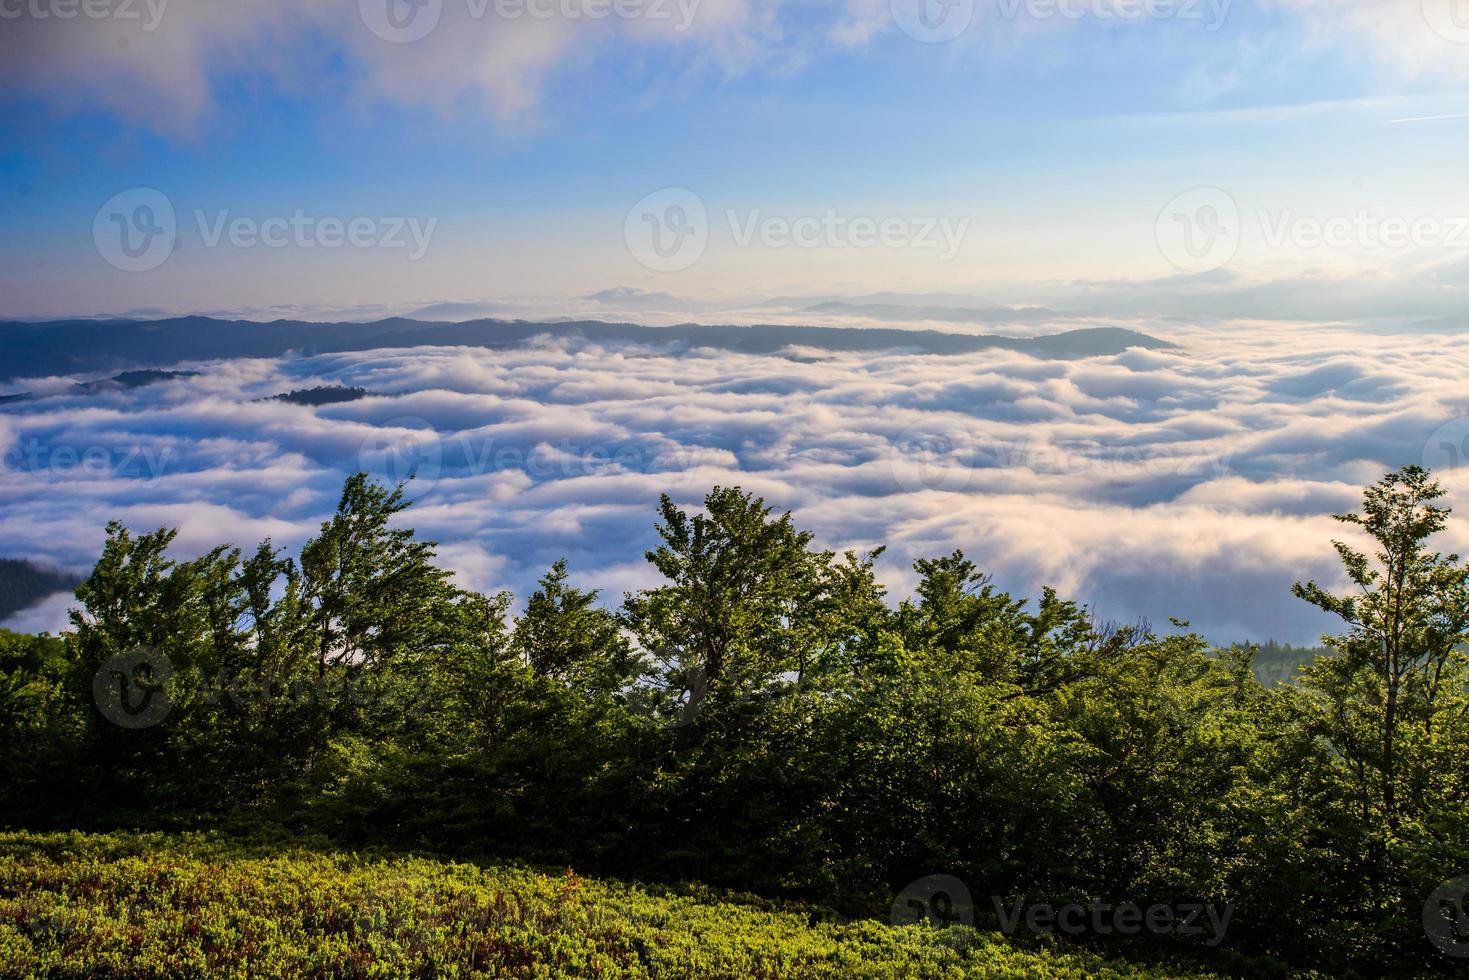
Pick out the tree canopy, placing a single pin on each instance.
(767, 717)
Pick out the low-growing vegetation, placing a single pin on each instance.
(136, 906)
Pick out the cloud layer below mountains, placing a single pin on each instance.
(1195, 483)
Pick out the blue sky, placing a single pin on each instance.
(1257, 193)
(1055, 141)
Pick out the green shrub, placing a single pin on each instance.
(136, 905)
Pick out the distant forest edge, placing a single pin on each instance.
(66, 347)
(24, 583)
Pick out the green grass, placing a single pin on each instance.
(140, 905)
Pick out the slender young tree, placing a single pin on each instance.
(1407, 616)
(564, 635)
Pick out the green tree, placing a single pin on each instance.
(1407, 618)
(563, 634)
(743, 589)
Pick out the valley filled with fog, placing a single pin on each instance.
(1194, 481)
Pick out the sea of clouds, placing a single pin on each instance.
(1195, 483)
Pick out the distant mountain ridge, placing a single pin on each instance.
(64, 347)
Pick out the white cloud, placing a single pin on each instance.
(1411, 38)
(161, 68)
(1193, 483)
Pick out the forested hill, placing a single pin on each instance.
(77, 346)
(23, 583)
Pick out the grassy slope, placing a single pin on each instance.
(146, 906)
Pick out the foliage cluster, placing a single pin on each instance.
(766, 719)
(122, 905)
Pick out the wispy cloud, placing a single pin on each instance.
(1419, 119)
